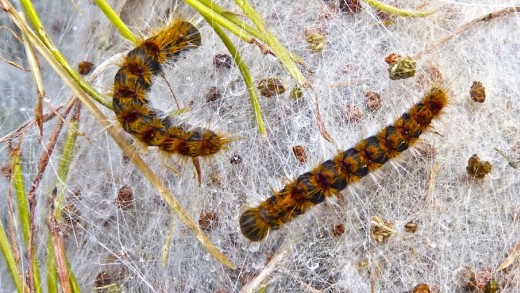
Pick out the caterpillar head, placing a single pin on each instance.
(254, 225)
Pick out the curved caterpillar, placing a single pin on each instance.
(347, 167)
(132, 107)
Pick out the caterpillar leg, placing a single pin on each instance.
(196, 163)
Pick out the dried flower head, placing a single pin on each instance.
(381, 230)
(477, 92)
(372, 101)
(316, 38)
(477, 168)
(222, 61)
(208, 220)
(270, 87)
(350, 6)
(410, 227)
(235, 160)
(125, 198)
(213, 94)
(402, 67)
(299, 153)
(338, 230)
(296, 92)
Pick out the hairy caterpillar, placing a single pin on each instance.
(132, 107)
(347, 167)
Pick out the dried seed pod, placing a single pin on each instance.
(110, 280)
(125, 198)
(270, 87)
(235, 160)
(402, 68)
(411, 227)
(421, 288)
(316, 42)
(102, 279)
(464, 277)
(71, 215)
(477, 92)
(338, 230)
(477, 168)
(213, 94)
(316, 37)
(352, 113)
(6, 171)
(85, 67)
(363, 263)
(299, 153)
(372, 101)
(208, 220)
(350, 6)
(381, 230)
(296, 92)
(222, 61)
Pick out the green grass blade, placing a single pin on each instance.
(397, 11)
(52, 271)
(253, 94)
(116, 21)
(7, 251)
(32, 15)
(268, 38)
(21, 198)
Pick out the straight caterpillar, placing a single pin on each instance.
(132, 107)
(347, 167)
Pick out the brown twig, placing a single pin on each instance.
(274, 263)
(431, 183)
(14, 64)
(27, 125)
(76, 114)
(375, 276)
(171, 90)
(487, 17)
(59, 251)
(74, 100)
(42, 165)
(10, 212)
(514, 255)
(319, 120)
(263, 48)
(34, 64)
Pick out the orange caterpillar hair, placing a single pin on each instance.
(347, 167)
(132, 107)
